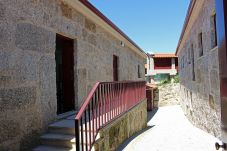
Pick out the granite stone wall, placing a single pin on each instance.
(169, 94)
(200, 96)
(28, 29)
(115, 133)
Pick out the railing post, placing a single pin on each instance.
(77, 134)
(106, 101)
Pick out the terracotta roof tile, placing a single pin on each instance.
(164, 56)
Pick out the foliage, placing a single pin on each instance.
(174, 79)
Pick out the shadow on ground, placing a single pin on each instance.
(150, 115)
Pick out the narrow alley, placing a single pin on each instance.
(91, 75)
(169, 130)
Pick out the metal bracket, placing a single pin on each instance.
(218, 146)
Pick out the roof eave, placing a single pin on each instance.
(110, 23)
(189, 13)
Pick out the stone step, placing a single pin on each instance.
(61, 136)
(66, 127)
(50, 148)
(59, 140)
(62, 127)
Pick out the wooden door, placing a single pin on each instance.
(115, 68)
(64, 74)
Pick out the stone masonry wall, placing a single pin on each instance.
(200, 99)
(27, 65)
(115, 133)
(169, 94)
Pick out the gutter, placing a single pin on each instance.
(110, 23)
(189, 13)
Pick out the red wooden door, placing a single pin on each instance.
(64, 57)
(115, 68)
(68, 76)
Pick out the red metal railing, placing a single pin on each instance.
(105, 102)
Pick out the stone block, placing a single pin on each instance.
(214, 81)
(7, 35)
(4, 60)
(30, 140)
(47, 73)
(4, 80)
(78, 18)
(89, 25)
(82, 83)
(9, 129)
(24, 65)
(103, 43)
(18, 67)
(199, 76)
(48, 96)
(211, 102)
(17, 98)
(2, 11)
(92, 39)
(31, 37)
(84, 34)
(213, 60)
(116, 132)
(66, 10)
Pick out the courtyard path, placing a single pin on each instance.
(169, 130)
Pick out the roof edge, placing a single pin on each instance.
(189, 13)
(109, 22)
(163, 55)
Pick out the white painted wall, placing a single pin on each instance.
(151, 71)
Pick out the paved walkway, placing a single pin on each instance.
(170, 131)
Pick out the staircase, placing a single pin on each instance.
(59, 137)
(105, 102)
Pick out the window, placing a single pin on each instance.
(213, 31)
(189, 57)
(193, 62)
(182, 62)
(200, 38)
(139, 75)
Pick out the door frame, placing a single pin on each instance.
(62, 100)
(221, 14)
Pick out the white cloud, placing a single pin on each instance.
(150, 52)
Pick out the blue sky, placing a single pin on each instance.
(155, 25)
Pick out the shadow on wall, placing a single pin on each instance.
(151, 114)
(156, 98)
(124, 144)
(128, 141)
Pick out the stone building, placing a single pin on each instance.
(199, 67)
(52, 52)
(160, 66)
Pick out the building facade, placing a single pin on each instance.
(52, 52)
(161, 65)
(199, 67)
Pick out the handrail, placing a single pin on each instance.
(78, 116)
(105, 102)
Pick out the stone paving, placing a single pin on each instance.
(169, 130)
